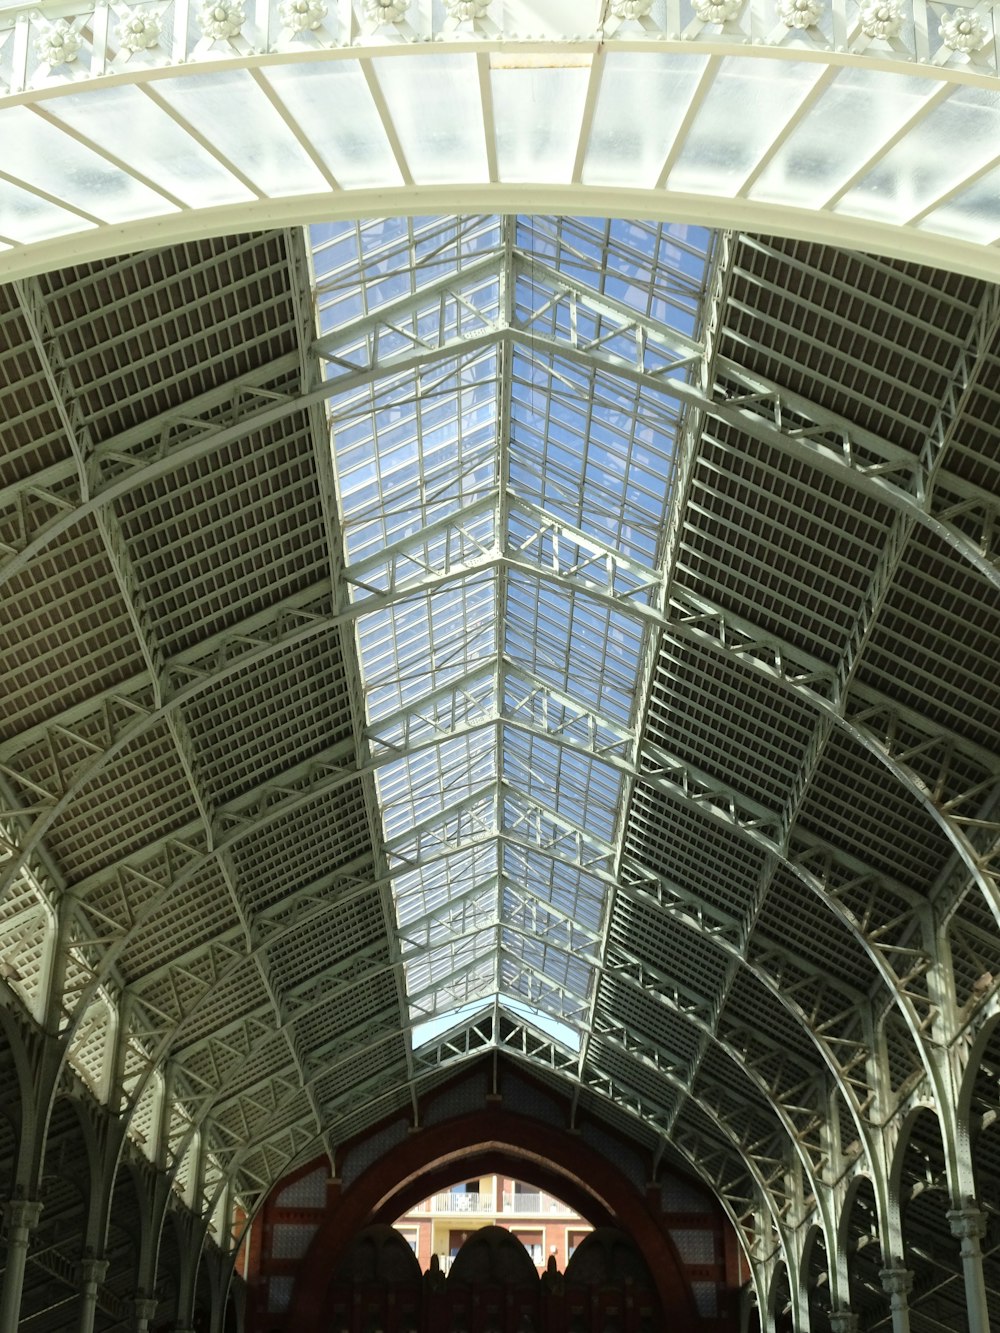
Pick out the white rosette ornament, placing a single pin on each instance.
(221, 19)
(386, 11)
(139, 30)
(717, 11)
(466, 11)
(58, 44)
(881, 19)
(630, 9)
(964, 30)
(302, 15)
(800, 13)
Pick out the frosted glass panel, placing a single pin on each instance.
(538, 112)
(916, 172)
(973, 215)
(27, 217)
(40, 154)
(437, 111)
(333, 105)
(151, 141)
(747, 106)
(236, 117)
(641, 105)
(850, 121)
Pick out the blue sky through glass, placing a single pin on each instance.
(504, 504)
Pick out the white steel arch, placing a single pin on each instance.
(869, 126)
(130, 126)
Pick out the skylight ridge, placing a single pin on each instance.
(531, 491)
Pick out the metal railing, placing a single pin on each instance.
(478, 1204)
(536, 1203)
(485, 1205)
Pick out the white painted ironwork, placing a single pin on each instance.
(432, 98)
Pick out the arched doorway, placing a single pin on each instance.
(339, 1210)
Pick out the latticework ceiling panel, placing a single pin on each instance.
(562, 637)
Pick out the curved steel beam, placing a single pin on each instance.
(588, 179)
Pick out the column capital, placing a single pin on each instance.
(968, 1222)
(22, 1213)
(93, 1270)
(896, 1281)
(844, 1321)
(144, 1307)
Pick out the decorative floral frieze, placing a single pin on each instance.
(466, 11)
(717, 11)
(881, 19)
(58, 44)
(221, 19)
(139, 30)
(800, 13)
(630, 9)
(964, 30)
(386, 11)
(302, 15)
(72, 49)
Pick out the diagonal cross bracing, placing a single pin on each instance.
(473, 457)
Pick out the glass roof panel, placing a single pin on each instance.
(68, 170)
(974, 213)
(425, 783)
(569, 891)
(416, 646)
(446, 141)
(574, 643)
(147, 138)
(362, 266)
(915, 173)
(457, 919)
(25, 216)
(640, 110)
(503, 506)
(471, 700)
(656, 269)
(426, 891)
(453, 973)
(523, 911)
(233, 114)
(531, 107)
(737, 121)
(582, 789)
(812, 164)
(353, 144)
(545, 979)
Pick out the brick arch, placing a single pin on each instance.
(404, 1174)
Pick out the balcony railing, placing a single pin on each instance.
(480, 1205)
(542, 1204)
(484, 1205)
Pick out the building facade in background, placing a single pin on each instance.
(443, 1222)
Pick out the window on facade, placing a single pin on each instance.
(533, 1242)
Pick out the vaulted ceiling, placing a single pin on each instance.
(577, 638)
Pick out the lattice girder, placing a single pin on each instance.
(681, 782)
(543, 847)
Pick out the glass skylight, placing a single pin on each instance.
(504, 493)
(426, 1032)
